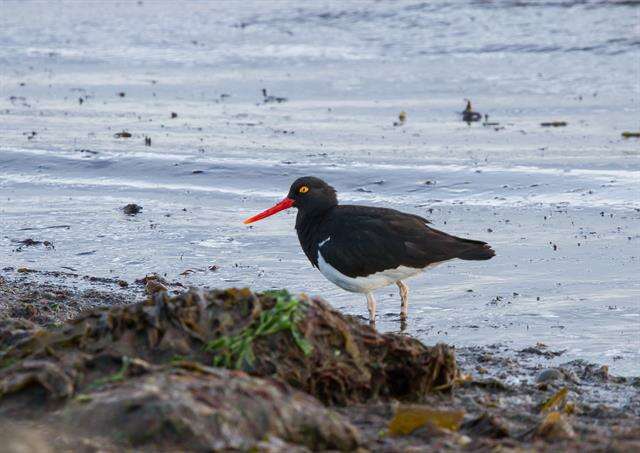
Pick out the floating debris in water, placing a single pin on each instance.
(489, 123)
(32, 243)
(132, 209)
(402, 118)
(269, 99)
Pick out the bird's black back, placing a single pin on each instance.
(365, 240)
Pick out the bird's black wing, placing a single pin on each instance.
(365, 240)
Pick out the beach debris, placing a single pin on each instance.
(32, 243)
(236, 351)
(409, 418)
(122, 134)
(486, 426)
(144, 280)
(138, 375)
(631, 134)
(555, 426)
(468, 115)
(402, 118)
(153, 286)
(486, 121)
(301, 341)
(554, 124)
(541, 349)
(267, 98)
(87, 151)
(132, 209)
(557, 401)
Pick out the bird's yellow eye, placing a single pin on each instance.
(303, 189)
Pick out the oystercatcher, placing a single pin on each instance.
(363, 248)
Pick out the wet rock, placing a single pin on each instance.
(486, 426)
(215, 409)
(591, 372)
(549, 375)
(132, 209)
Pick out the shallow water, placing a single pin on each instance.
(347, 70)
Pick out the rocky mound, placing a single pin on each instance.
(218, 368)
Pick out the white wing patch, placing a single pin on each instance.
(324, 242)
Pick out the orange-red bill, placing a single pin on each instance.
(284, 204)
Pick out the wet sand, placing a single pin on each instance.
(559, 204)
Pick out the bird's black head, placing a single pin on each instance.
(308, 194)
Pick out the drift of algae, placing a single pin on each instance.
(556, 401)
(411, 417)
(234, 351)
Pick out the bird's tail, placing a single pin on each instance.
(476, 250)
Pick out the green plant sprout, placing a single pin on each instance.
(236, 350)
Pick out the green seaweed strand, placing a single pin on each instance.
(236, 350)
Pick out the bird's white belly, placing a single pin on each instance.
(368, 283)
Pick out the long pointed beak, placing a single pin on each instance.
(284, 204)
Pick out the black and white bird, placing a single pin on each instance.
(363, 248)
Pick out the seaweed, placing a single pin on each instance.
(236, 351)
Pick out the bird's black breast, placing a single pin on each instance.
(360, 240)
